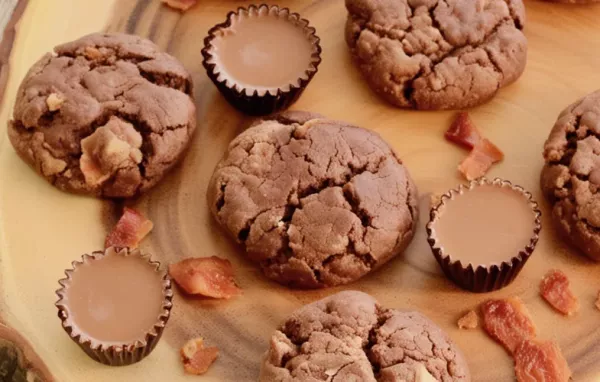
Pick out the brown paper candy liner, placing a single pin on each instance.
(482, 278)
(271, 101)
(115, 355)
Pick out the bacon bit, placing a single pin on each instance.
(131, 228)
(554, 288)
(540, 361)
(480, 160)
(508, 322)
(598, 301)
(183, 5)
(206, 276)
(463, 131)
(196, 358)
(468, 321)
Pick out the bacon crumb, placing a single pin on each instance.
(130, 230)
(206, 276)
(540, 361)
(182, 5)
(468, 321)
(554, 288)
(598, 301)
(196, 358)
(508, 322)
(463, 131)
(480, 160)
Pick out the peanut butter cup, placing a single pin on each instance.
(262, 58)
(483, 234)
(115, 305)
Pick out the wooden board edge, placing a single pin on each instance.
(6, 45)
(18, 359)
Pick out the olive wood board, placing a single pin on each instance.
(42, 230)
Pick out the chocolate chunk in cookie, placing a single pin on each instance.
(315, 202)
(106, 115)
(350, 337)
(437, 54)
(571, 177)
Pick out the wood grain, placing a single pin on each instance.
(42, 227)
(8, 29)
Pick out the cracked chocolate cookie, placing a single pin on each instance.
(571, 176)
(349, 337)
(106, 115)
(437, 54)
(315, 202)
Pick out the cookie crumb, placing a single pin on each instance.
(508, 322)
(206, 276)
(54, 101)
(463, 131)
(196, 358)
(540, 361)
(468, 321)
(182, 5)
(554, 288)
(130, 230)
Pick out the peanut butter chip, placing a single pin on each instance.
(92, 53)
(422, 375)
(54, 101)
(468, 321)
(110, 148)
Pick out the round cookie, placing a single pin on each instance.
(315, 202)
(349, 337)
(437, 54)
(571, 176)
(106, 115)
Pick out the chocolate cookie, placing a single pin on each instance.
(106, 115)
(571, 177)
(350, 337)
(437, 54)
(315, 202)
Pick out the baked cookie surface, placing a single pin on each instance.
(571, 176)
(315, 202)
(349, 337)
(106, 115)
(437, 54)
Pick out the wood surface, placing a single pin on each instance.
(42, 229)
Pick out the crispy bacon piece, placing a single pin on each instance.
(182, 5)
(206, 276)
(540, 361)
(480, 159)
(131, 228)
(468, 321)
(554, 288)
(196, 358)
(463, 131)
(508, 322)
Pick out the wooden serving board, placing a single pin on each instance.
(42, 229)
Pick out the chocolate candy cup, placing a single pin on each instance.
(484, 277)
(248, 98)
(110, 352)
